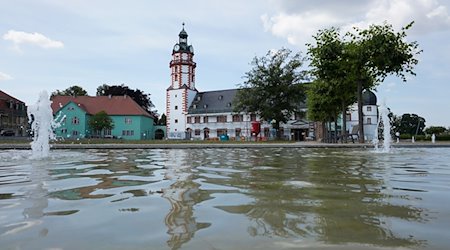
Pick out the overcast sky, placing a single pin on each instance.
(55, 44)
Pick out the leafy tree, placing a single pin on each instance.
(376, 53)
(162, 121)
(366, 59)
(137, 95)
(101, 121)
(435, 130)
(273, 88)
(334, 87)
(411, 124)
(71, 91)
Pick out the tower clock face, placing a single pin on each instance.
(176, 47)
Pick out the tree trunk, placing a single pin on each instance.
(344, 124)
(324, 131)
(360, 112)
(329, 132)
(335, 130)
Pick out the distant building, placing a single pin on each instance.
(13, 116)
(370, 115)
(130, 120)
(208, 115)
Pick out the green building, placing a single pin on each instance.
(131, 121)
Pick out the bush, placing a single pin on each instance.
(442, 137)
(405, 136)
(417, 137)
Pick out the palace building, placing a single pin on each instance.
(192, 114)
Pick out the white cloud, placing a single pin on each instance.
(298, 24)
(20, 37)
(4, 77)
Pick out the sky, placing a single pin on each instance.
(54, 44)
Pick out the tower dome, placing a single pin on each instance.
(369, 98)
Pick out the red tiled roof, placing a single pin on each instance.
(114, 105)
(4, 95)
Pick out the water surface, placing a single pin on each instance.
(226, 199)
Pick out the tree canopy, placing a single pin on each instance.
(162, 121)
(71, 91)
(101, 121)
(333, 90)
(411, 124)
(366, 57)
(137, 95)
(273, 88)
(437, 130)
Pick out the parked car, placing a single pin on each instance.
(7, 133)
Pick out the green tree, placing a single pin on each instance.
(334, 88)
(437, 130)
(71, 91)
(367, 58)
(376, 53)
(273, 88)
(411, 124)
(162, 121)
(137, 95)
(101, 121)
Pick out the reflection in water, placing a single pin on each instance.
(262, 198)
(323, 197)
(182, 194)
(35, 203)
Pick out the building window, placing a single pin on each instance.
(127, 132)
(253, 117)
(221, 131)
(70, 108)
(128, 120)
(197, 132)
(220, 97)
(64, 131)
(222, 118)
(369, 109)
(75, 120)
(176, 120)
(238, 118)
(176, 107)
(75, 133)
(188, 120)
(266, 132)
(369, 120)
(107, 132)
(348, 117)
(197, 119)
(205, 119)
(237, 132)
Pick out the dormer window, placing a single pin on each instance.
(229, 104)
(220, 97)
(194, 106)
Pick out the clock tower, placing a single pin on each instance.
(181, 91)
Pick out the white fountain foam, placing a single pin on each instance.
(42, 126)
(383, 120)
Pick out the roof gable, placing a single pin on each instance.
(7, 97)
(112, 105)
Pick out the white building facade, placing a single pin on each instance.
(182, 88)
(370, 115)
(209, 115)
